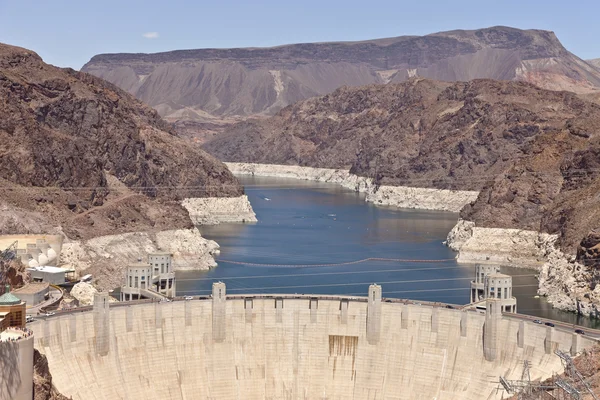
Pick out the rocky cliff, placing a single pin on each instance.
(42, 379)
(204, 83)
(79, 153)
(532, 153)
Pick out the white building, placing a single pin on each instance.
(478, 285)
(162, 273)
(33, 293)
(52, 275)
(499, 286)
(138, 279)
(489, 283)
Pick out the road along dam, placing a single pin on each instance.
(294, 347)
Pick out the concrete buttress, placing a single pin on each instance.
(493, 316)
(344, 311)
(218, 311)
(101, 323)
(463, 324)
(374, 314)
(521, 335)
(548, 340)
(434, 320)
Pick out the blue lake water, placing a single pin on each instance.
(311, 238)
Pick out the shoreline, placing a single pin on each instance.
(106, 257)
(562, 280)
(396, 196)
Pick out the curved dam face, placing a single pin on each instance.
(293, 348)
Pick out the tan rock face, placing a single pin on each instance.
(215, 210)
(106, 257)
(84, 293)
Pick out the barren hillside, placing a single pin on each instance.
(205, 84)
(77, 152)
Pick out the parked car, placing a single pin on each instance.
(537, 321)
(579, 331)
(550, 324)
(29, 318)
(49, 314)
(189, 297)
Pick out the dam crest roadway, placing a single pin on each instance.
(296, 347)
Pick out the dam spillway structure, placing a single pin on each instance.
(295, 347)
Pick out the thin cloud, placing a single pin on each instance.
(150, 35)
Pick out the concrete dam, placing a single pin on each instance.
(294, 347)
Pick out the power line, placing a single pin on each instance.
(479, 178)
(367, 283)
(319, 274)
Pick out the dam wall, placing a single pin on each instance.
(16, 369)
(396, 196)
(294, 347)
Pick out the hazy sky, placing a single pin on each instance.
(69, 32)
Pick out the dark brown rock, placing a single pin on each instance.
(93, 148)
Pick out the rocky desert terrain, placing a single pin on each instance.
(82, 158)
(204, 90)
(79, 153)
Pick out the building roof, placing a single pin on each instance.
(139, 265)
(160, 253)
(32, 288)
(9, 299)
(500, 276)
(53, 270)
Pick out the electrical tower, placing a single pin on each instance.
(572, 386)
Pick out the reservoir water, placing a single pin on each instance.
(321, 238)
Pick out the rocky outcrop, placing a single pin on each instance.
(397, 196)
(588, 252)
(421, 198)
(215, 210)
(42, 379)
(204, 83)
(88, 157)
(513, 247)
(13, 273)
(567, 284)
(84, 293)
(106, 257)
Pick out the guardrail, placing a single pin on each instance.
(592, 333)
(361, 299)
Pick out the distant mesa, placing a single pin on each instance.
(206, 85)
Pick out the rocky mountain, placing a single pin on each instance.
(533, 153)
(79, 153)
(208, 84)
(594, 62)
